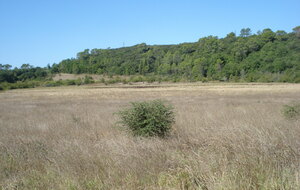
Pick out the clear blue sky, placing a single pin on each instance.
(39, 32)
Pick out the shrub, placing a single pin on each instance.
(291, 112)
(111, 81)
(151, 79)
(148, 118)
(78, 81)
(102, 80)
(69, 82)
(5, 86)
(88, 80)
(136, 79)
(52, 83)
(204, 80)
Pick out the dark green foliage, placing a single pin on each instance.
(70, 82)
(263, 57)
(234, 58)
(148, 118)
(78, 81)
(19, 84)
(25, 73)
(26, 76)
(53, 83)
(291, 111)
(88, 80)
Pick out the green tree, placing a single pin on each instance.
(245, 32)
(296, 30)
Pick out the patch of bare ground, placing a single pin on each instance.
(226, 136)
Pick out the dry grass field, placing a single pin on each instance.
(226, 136)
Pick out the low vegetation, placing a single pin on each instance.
(45, 83)
(152, 118)
(292, 111)
(226, 136)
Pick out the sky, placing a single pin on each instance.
(41, 32)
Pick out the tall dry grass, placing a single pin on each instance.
(225, 137)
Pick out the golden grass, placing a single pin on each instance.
(226, 136)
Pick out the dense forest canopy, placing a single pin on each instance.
(265, 56)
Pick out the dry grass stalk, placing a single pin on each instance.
(225, 137)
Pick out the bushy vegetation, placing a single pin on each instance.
(291, 111)
(266, 56)
(24, 73)
(148, 118)
(45, 83)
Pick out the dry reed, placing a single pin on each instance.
(225, 137)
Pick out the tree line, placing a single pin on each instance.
(265, 56)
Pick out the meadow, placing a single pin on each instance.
(226, 136)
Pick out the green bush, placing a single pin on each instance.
(136, 79)
(102, 80)
(151, 79)
(88, 80)
(69, 82)
(78, 81)
(111, 81)
(148, 118)
(291, 112)
(52, 83)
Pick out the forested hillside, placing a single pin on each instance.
(266, 56)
